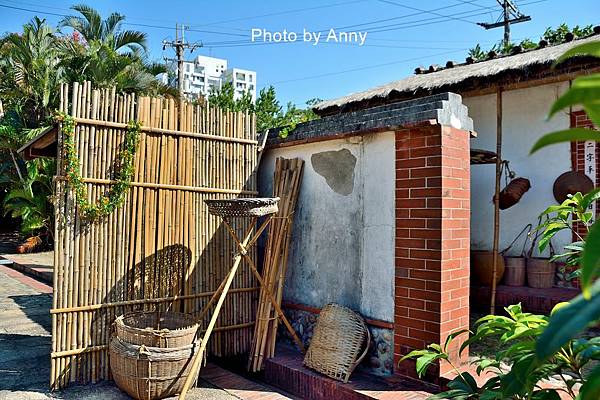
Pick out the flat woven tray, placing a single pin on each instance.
(243, 207)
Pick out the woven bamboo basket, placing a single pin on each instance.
(243, 207)
(148, 373)
(156, 329)
(340, 342)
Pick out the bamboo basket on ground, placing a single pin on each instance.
(156, 329)
(339, 336)
(149, 373)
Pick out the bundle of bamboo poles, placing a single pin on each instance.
(286, 186)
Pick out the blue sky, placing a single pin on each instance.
(400, 34)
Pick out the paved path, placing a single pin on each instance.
(25, 340)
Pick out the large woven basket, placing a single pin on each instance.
(148, 373)
(156, 329)
(340, 342)
(243, 207)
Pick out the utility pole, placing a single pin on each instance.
(179, 44)
(510, 15)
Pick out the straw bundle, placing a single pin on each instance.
(286, 186)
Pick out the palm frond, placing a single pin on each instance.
(92, 29)
(130, 39)
(112, 23)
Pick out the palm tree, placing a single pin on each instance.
(91, 26)
(30, 70)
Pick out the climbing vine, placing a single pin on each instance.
(109, 201)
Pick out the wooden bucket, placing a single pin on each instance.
(482, 264)
(540, 273)
(514, 270)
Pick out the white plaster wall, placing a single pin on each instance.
(342, 245)
(524, 121)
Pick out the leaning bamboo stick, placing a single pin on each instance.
(211, 325)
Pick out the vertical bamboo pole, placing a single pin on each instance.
(496, 197)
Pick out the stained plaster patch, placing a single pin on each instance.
(337, 167)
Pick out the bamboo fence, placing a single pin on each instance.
(161, 249)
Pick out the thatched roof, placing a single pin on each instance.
(451, 79)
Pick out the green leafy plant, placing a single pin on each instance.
(583, 311)
(116, 194)
(511, 372)
(551, 35)
(30, 200)
(476, 53)
(557, 35)
(574, 210)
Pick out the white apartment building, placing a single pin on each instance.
(207, 74)
(243, 81)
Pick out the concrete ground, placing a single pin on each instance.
(25, 344)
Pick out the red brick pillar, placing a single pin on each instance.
(579, 119)
(432, 240)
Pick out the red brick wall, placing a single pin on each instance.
(579, 119)
(432, 239)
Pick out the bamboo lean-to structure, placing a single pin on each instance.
(286, 185)
(161, 249)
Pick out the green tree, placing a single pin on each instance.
(30, 71)
(224, 98)
(106, 31)
(268, 110)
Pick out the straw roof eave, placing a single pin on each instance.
(522, 67)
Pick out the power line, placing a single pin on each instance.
(363, 68)
(33, 11)
(124, 23)
(425, 11)
(376, 29)
(428, 21)
(293, 11)
(397, 18)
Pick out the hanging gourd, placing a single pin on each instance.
(514, 190)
